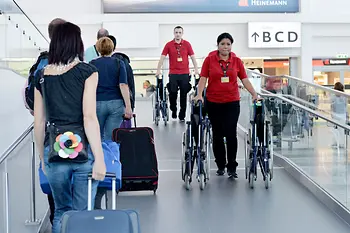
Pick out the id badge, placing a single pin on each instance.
(225, 79)
(179, 59)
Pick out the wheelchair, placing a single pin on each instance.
(160, 102)
(260, 146)
(197, 146)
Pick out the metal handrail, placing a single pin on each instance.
(30, 21)
(16, 143)
(327, 89)
(337, 123)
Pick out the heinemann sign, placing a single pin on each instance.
(269, 3)
(202, 6)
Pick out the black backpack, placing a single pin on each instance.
(130, 74)
(30, 84)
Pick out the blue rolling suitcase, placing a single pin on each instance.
(44, 183)
(113, 165)
(106, 221)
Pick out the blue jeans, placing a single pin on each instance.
(110, 116)
(69, 195)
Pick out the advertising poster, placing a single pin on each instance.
(201, 6)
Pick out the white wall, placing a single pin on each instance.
(321, 36)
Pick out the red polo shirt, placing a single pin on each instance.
(178, 56)
(221, 88)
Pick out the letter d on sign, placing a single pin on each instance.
(292, 35)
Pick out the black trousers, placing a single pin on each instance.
(176, 82)
(224, 118)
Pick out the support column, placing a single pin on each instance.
(294, 67)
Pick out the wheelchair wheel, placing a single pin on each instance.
(247, 154)
(167, 112)
(183, 157)
(251, 179)
(202, 182)
(271, 153)
(165, 121)
(267, 180)
(208, 151)
(187, 182)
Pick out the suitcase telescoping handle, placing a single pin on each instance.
(133, 116)
(114, 192)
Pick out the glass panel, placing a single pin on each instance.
(19, 160)
(316, 146)
(322, 99)
(347, 173)
(347, 81)
(2, 197)
(21, 42)
(326, 78)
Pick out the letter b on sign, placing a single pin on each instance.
(266, 37)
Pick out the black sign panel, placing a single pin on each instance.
(336, 62)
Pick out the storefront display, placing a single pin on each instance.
(328, 71)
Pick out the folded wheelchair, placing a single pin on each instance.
(197, 146)
(160, 102)
(260, 146)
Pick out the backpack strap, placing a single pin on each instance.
(118, 69)
(97, 53)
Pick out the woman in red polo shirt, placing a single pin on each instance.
(221, 69)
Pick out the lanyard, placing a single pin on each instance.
(224, 69)
(178, 48)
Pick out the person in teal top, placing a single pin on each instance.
(91, 52)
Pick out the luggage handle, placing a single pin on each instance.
(114, 192)
(133, 116)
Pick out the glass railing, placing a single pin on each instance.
(322, 99)
(20, 39)
(318, 148)
(23, 205)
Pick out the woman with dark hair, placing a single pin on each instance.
(221, 69)
(65, 101)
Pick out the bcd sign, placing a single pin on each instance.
(280, 37)
(274, 35)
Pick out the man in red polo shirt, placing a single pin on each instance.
(179, 74)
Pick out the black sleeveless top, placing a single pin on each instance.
(64, 94)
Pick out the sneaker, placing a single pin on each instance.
(232, 173)
(220, 172)
(182, 120)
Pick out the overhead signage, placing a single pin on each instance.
(200, 6)
(274, 35)
(336, 62)
(342, 55)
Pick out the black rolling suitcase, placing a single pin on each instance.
(138, 158)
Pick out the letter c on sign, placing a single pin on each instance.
(276, 37)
